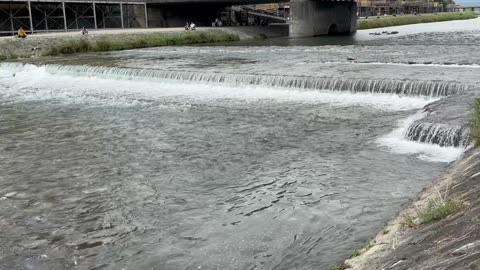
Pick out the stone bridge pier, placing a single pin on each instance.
(310, 18)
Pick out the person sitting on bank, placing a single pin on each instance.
(187, 26)
(192, 26)
(84, 31)
(21, 33)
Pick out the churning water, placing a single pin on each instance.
(263, 157)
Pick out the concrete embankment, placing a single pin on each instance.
(441, 230)
(450, 243)
(108, 40)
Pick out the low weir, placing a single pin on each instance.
(446, 122)
(439, 133)
(398, 87)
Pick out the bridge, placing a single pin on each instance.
(307, 17)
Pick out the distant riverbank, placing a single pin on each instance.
(67, 43)
(374, 22)
(123, 39)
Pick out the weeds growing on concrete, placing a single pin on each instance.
(404, 20)
(369, 246)
(341, 266)
(356, 253)
(435, 212)
(408, 221)
(475, 126)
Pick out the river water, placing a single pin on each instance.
(278, 154)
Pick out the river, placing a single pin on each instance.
(274, 154)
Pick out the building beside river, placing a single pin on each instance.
(390, 7)
(382, 7)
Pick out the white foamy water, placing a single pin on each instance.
(89, 86)
(396, 141)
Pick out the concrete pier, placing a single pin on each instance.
(310, 18)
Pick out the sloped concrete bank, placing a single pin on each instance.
(450, 243)
(441, 230)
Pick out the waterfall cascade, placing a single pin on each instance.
(421, 130)
(440, 134)
(400, 87)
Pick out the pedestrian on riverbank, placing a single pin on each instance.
(84, 31)
(187, 26)
(192, 26)
(21, 33)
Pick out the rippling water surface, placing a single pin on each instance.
(230, 157)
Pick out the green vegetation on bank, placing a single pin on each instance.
(140, 41)
(435, 212)
(123, 42)
(355, 253)
(342, 266)
(475, 127)
(366, 248)
(408, 19)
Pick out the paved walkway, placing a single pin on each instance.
(94, 32)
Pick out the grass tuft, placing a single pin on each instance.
(435, 212)
(424, 18)
(408, 221)
(356, 253)
(369, 246)
(341, 266)
(475, 126)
